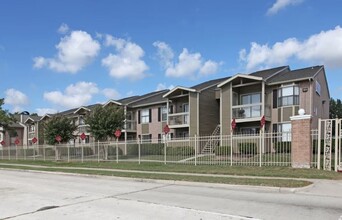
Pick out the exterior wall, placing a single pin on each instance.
(193, 110)
(225, 109)
(209, 112)
(320, 103)
(155, 127)
(20, 136)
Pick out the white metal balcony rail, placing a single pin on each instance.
(179, 119)
(131, 125)
(247, 111)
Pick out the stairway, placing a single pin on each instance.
(212, 142)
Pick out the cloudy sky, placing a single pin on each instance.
(56, 55)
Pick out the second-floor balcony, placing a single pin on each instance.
(83, 129)
(179, 120)
(31, 135)
(131, 125)
(249, 112)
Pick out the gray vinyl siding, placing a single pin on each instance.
(226, 109)
(193, 114)
(209, 112)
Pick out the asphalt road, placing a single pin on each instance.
(34, 195)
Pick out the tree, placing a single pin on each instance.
(335, 108)
(59, 125)
(103, 121)
(5, 117)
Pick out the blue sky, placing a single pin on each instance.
(56, 55)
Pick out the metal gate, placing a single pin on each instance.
(330, 141)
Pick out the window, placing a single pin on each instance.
(252, 130)
(285, 129)
(251, 99)
(32, 128)
(288, 96)
(164, 113)
(145, 116)
(318, 88)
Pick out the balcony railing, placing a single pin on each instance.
(83, 129)
(179, 119)
(131, 125)
(31, 135)
(247, 111)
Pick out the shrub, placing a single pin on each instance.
(151, 149)
(283, 147)
(222, 150)
(180, 151)
(112, 151)
(248, 148)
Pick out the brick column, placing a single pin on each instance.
(301, 141)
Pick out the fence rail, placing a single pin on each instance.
(264, 149)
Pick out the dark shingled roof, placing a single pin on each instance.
(269, 72)
(71, 111)
(209, 83)
(298, 74)
(150, 98)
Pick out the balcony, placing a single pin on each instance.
(250, 112)
(179, 120)
(131, 125)
(83, 129)
(31, 135)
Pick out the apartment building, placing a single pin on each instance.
(277, 94)
(210, 107)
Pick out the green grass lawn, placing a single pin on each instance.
(265, 171)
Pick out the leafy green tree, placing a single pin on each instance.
(103, 121)
(5, 117)
(58, 125)
(335, 108)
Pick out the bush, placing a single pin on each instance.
(112, 151)
(133, 149)
(222, 150)
(248, 148)
(180, 151)
(151, 149)
(283, 147)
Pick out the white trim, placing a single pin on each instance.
(46, 115)
(300, 117)
(176, 88)
(87, 109)
(237, 76)
(28, 119)
(111, 101)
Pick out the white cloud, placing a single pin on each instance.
(322, 48)
(162, 86)
(280, 4)
(16, 98)
(127, 61)
(44, 111)
(111, 93)
(164, 53)
(63, 29)
(75, 95)
(75, 51)
(188, 65)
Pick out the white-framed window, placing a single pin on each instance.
(285, 130)
(163, 113)
(145, 116)
(288, 95)
(318, 88)
(32, 128)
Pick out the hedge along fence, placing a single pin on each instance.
(158, 149)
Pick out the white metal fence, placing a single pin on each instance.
(264, 149)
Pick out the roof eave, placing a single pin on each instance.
(242, 76)
(176, 88)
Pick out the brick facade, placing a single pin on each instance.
(301, 141)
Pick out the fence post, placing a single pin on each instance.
(25, 152)
(231, 147)
(98, 151)
(319, 144)
(337, 126)
(68, 147)
(9, 153)
(139, 149)
(260, 147)
(43, 152)
(195, 149)
(165, 151)
(16, 152)
(82, 152)
(117, 150)
(56, 153)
